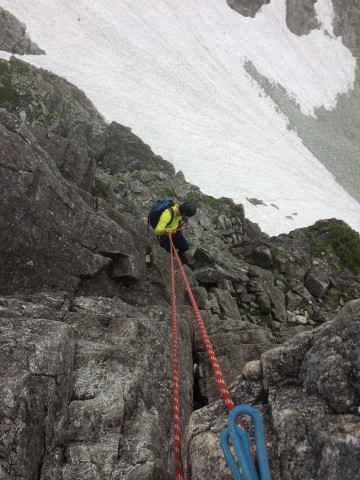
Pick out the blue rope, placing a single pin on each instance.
(242, 446)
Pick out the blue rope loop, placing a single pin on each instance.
(243, 467)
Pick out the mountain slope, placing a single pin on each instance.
(176, 74)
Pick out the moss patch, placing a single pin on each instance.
(166, 193)
(4, 68)
(8, 96)
(20, 67)
(265, 320)
(343, 242)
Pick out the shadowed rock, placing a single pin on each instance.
(55, 237)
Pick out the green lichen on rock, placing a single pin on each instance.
(20, 67)
(8, 95)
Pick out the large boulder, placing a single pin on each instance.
(316, 283)
(235, 342)
(301, 16)
(247, 8)
(211, 266)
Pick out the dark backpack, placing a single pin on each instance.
(157, 209)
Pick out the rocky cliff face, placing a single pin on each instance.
(13, 36)
(85, 316)
(308, 392)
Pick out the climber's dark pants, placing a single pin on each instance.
(179, 241)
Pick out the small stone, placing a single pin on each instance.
(253, 370)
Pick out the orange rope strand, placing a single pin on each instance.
(218, 374)
(175, 377)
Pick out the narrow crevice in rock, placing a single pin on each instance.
(199, 399)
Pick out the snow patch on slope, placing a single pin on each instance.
(174, 72)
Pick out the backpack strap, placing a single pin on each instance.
(172, 213)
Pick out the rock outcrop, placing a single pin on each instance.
(86, 387)
(346, 24)
(50, 228)
(247, 8)
(308, 391)
(301, 16)
(13, 37)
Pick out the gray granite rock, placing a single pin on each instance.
(13, 37)
(301, 16)
(247, 8)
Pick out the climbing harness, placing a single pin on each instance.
(235, 431)
(242, 446)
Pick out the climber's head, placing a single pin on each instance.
(188, 209)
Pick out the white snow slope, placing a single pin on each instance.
(173, 71)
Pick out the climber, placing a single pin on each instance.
(171, 220)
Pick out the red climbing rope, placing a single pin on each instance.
(175, 377)
(219, 376)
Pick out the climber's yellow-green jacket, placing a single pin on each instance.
(165, 218)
